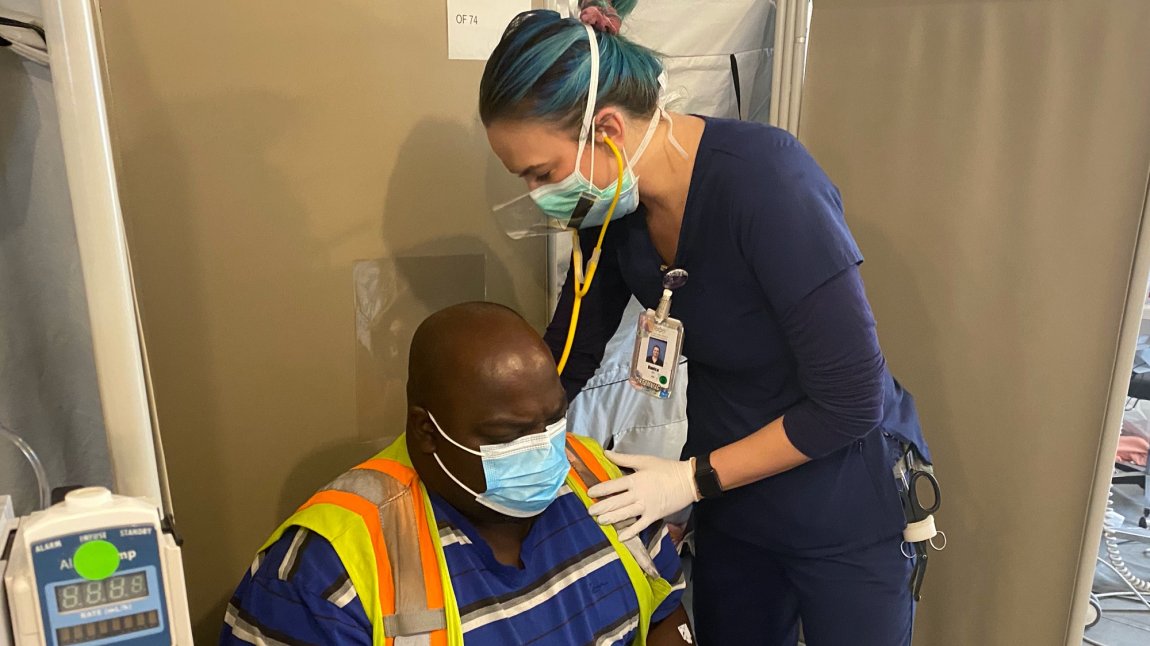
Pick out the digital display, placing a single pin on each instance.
(89, 594)
(106, 628)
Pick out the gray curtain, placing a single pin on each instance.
(48, 391)
(992, 157)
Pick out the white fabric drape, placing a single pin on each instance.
(717, 54)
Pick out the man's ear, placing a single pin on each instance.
(421, 430)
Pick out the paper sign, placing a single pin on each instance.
(474, 26)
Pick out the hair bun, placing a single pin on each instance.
(600, 16)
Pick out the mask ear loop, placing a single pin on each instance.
(439, 461)
(449, 438)
(451, 475)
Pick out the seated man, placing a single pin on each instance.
(472, 526)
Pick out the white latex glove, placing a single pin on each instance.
(657, 488)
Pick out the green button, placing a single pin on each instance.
(96, 560)
(662, 380)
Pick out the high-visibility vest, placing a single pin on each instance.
(380, 521)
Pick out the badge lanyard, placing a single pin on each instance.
(659, 343)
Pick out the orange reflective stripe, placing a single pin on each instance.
(392, 468)
(588, 458)
(429, 565)
(579, 481)
(431, 575)
(370, 515)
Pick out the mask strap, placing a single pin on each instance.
(592, 97)
(448, 437)
(660, 113)
(650, 135)
(671, 137)
(453, 478)
(666, 97)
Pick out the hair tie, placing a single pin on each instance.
(600, 16)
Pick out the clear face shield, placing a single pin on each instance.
(522, 217)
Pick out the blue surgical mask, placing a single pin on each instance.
(523, 476)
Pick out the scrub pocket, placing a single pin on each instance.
(881, 464)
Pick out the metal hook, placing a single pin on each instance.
(902, 548)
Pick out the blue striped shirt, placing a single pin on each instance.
(572, 589)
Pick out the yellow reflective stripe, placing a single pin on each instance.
(597, 452)
(345, 530)
(397, 451)
(400, 538)
(352, 542)
(587, 478)
(450, 605)
(650, 591)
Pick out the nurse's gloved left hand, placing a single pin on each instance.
(656, 489)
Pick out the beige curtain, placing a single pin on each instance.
(993, 158)
(289, 174)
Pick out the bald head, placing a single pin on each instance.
(469, 345)
(481, 375)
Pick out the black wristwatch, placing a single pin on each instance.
(706, 480)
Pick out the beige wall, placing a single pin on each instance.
(262, 149)
(993, 158)
(992, 155)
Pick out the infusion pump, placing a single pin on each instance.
(92, 570)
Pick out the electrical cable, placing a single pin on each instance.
(37, 465)
(10, 22)
(25, 45)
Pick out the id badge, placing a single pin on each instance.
(658, 345)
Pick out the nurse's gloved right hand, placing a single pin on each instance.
(657, 489)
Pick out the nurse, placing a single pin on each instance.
(794, 420)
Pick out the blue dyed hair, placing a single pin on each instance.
(541, 70)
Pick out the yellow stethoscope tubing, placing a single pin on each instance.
(583, 278)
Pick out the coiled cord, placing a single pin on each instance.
(1115, 556)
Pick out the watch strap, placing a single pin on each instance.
(706, 479)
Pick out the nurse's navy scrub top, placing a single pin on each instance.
(776, 323)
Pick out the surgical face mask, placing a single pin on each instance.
(523, 476)
(561, 200)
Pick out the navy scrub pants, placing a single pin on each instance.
(745, 595)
